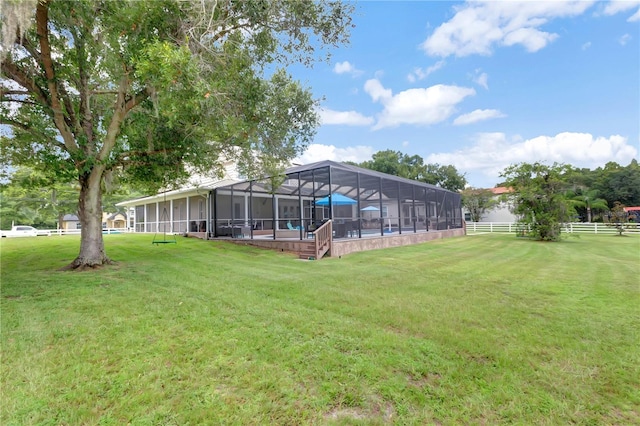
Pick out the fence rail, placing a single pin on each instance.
(77, 231)
(569, 228)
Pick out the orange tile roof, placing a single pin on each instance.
(500, 190)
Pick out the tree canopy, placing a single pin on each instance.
(538, 197)
(152, 91)
(478, 201)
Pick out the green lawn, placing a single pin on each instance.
(483, 329)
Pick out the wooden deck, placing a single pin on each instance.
(306, 249)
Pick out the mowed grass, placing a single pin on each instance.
(484, 329)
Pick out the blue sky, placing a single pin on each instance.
(483, 84)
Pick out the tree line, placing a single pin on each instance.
(545, 196)
(413, 167)
(31, 197)
(589, 194)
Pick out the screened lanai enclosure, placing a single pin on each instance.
(357, 201)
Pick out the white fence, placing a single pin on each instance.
(77, 231)
(569, 228)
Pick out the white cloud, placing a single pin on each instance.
(416, 106)
(491, 153)
(318, 152)
(420, 74)
(586, 45)
(348, 118)
(346, 68)
(481, 80)
(478, 26)
(532, 39)
(624, 39)
(478, 115)
(617, 6)
(377, 92)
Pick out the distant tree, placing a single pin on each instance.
(478, 201)
(388, 161)
(38, 198)
(580, 178)
(538, 198)
(32, 197)
(618, 218)
(150, 91)
(413, 167)
(446, 177)
(618, 183)
(586, 200)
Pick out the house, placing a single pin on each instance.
(634, 213)
(115, 220)
(501, 212)
(357, 204)
(179, 211)
(70, 222)
(118, 220)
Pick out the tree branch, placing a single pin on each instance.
(29, 129)
(121, 109)
(71, 119)
(42, 22)
(25, 42)
(11, 70)
(13, 92)
(20, 101)
(85, 116)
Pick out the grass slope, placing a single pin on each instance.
(483, 329)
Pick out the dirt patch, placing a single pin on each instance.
(379, 411)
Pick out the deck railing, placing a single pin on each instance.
(323, 237)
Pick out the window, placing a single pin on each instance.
(385, 211)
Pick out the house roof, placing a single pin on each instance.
(631, 209)
(115, 215)
(307, 169)
(70, 217)
(355, 169)
(202, 188)
(499, 190)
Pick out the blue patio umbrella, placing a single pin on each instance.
(336, 200)
(370, 209)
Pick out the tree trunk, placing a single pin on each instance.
(92, 254)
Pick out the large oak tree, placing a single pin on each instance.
(151, 91)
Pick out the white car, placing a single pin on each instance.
(25, 231)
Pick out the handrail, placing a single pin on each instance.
(323, 237)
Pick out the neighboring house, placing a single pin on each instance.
(634, 213)
(70, 222)
(501, 212)
(115, 220)
(118, 220)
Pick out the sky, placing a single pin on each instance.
(482, 85)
